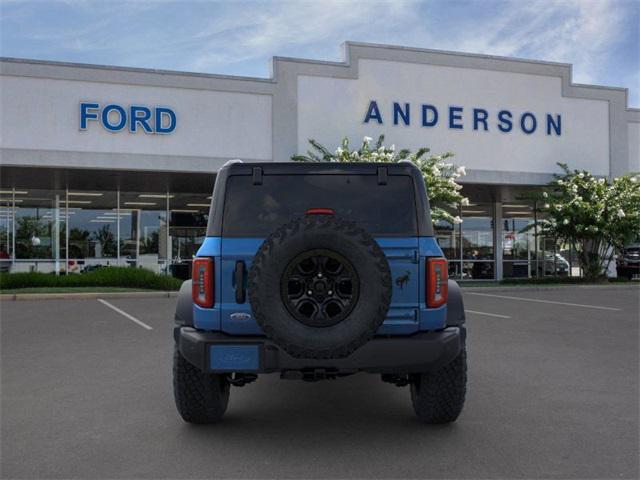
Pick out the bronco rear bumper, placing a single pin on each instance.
(420, 352)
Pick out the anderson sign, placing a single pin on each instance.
(460, 118)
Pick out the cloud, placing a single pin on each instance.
(599, 37)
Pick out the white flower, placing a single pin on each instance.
(621, 213)
(545, 195)
(354, 155)
(457, 220)
(581, 175)
(565, 221)
(464, 202)
(634, 179)
(339, 151)
(392, 148)
(461, 171)
(546, 205)
(558, 207)
(367, 139)
(560, 182)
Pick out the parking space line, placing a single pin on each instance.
(485, 313)
(125, 314)
(524, 299)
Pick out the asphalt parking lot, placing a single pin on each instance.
(552, 393)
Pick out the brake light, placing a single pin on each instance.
(320, 211)
(203, 284)
(437, 282)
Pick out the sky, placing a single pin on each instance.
(601, 38)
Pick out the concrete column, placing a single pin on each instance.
(497, 239)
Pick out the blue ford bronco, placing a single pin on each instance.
(318, 271)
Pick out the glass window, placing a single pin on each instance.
(6, 230)
(477, 232)
(380, 209)
(518, 240)
(144, 229)
(448, 236)
(93, 231)
(188, 223)
(38, 228)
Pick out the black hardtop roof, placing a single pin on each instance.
(301, 168)
(257, 169)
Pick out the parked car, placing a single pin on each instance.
(318, 271)
(5, 262)
(628, 262)
(554, 264)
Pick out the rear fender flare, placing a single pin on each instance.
(184, 308)
(455, 305)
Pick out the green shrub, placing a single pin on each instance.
(103, 277)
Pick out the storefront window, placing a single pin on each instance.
(92, 230)
(448, 236)
(6, 230)
(518, 241)
(144, 229)
(477, 241)
(189, 214)
(39, 228)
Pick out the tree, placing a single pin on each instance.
(105, 237)
(596, 216)
(438, 174)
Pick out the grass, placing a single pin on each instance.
(125, 278)
(72, 290)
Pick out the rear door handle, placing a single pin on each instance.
(238, 277)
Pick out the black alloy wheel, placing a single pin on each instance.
(320, 288)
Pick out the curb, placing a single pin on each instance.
(84, 296)
(524, 288)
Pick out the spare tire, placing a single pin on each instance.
(320, 287)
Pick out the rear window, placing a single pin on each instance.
(256, 210)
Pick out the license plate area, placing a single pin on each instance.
(234, 358)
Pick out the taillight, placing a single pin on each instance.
(437, 282)
(202, 285)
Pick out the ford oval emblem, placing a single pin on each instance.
(240, 316)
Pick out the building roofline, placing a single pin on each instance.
(347, 46)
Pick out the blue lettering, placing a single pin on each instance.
(139, 115)
(455, 113)
(162, 112)
(399, 112)
(373, 112)
(105, 118)
(557, 125)
(523, 123)
(425, 116)
(504, 117)
(85, 114)
(480, 115)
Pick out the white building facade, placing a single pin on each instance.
(114, 166)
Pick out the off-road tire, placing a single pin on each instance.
(200, 397)
(438, 397)
(344, 238)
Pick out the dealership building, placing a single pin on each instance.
(106, 165)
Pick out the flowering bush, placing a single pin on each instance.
(439, 175)
(594, 215)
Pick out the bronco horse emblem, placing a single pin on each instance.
(400, 281)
